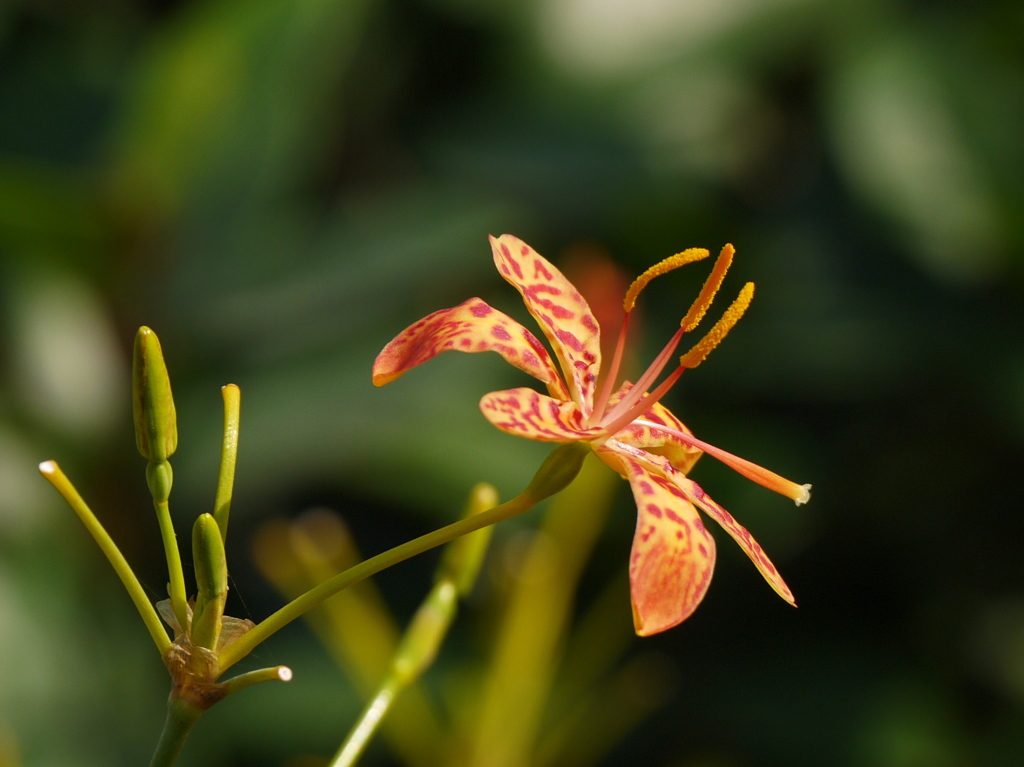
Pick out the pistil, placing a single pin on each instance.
(799, 493)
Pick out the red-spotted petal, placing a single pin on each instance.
(560, 310)
(472, 326)
(673, 554)
(682, 455)
(526, 413)
(696, 495)
(740, 534)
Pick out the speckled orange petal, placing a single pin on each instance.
(682, 456)
(692, 491)
(739, 533)
(472, 326)
(561, 311)
(673, 554)
(526, 413)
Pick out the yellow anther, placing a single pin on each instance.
(688, 256)
(707, 293)
(732, 315)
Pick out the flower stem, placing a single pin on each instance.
(273, 674)
(367, 725)
(228, 456)
(175, 573)
(417, 651)
(52, 472)
(557, 471)
(242, 646)
(181, 716)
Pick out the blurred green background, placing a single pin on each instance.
(278, 187)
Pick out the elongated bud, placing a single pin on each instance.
(156, 430)
(558, 470)
(462, 558)
(211, 581)
(208, 550)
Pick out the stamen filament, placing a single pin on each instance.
(646, 379)
(642, 404)
(707, 293)
(714, 337)
(799, 493)
(610, 375)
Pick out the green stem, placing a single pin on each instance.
(228, 457)
(181, 717)
(417, 651)
(273, 674)
(242, 646)
(367, 725)
(558, 470)
(51, 471)
(179, 602)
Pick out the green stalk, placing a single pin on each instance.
(242, 646)
(175, 573)
(456, 575)
(418, 650)
(228, 457)
(558, 470)
(156, 435)
(367, 725)
(240, 682)
(181, 716)
(51, 471)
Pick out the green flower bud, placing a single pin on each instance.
(156, 430)
(211, 581)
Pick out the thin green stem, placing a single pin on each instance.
(417, 651)
(179, 602)
(228, 457)
(53, 474)
(369, 721)
(248, 679)
(558, 470)
(241, 647)
(181, 716)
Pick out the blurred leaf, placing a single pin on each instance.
(903, 149)
(355, 625)
(534, 625)
(910, 728)
(46, 212)
(234, 98)
(68, 368)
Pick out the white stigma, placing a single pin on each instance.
(805, 495)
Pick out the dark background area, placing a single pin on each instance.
(278, 187)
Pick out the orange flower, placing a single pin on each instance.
(673, 554)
